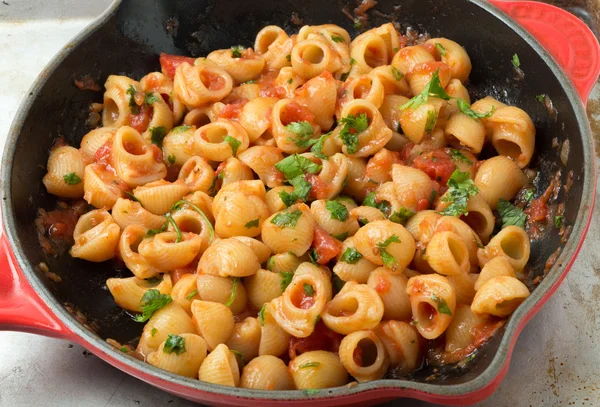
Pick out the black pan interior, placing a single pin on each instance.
(130, 43)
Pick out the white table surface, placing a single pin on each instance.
(556, 360)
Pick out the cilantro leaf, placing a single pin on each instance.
(461, 187)
(304, 130)
(337, 38)
(236, 51)
(516, 61)
(388, 259)
(175, 226)
(287, 219)
(352, 127)
(150, 98)
(174, 343)
(432, 117)
(153, 331)
(401, 215)
(397, 74)
(337, 210)
(151, 302)
(351, 256)
(541, 98)
(370, 200)
(171, 159)
(191, 295)
(433, 88)
(131, 91)
(157, 135)
(314, 257)
(442, 305)
(261, 315)
(233, 143)
(181, 129)
(510, 214)
(528, 195)
(231, 299)
(441, 49)
(286, 279)
(152, 232)
(71, 178)
(465, 107)
(131, 196)
(301, 191)
(294, 165)
(558, 221)
(309, 290)
(252, 224)
(457, 155)
(182, 202)
(317, 148)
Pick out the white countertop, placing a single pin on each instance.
(556, 360)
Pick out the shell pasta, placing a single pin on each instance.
(308, 212)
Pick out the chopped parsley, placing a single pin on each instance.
(157, 135)
(304, 131)
(351, 256)
(442, 305)
(317, 148)
(171, 159)
(153, 331)
(236, 51)
(401, 215)
(181, 129)
(293, 168)
(370, 200)
(151, 302)
(233, 143)
(152, 232)
(433, 88)
(124, 349)
(352, 127)
(290, 81)
(344, 76)
(287, 219)
(357, 24)
(131, 196)
(510, 214)
(432, 117)
(262, 314)
(174, 343)
(465, 107)
(131, 91)
(179, 204)
(309, 364)
(558, 221)
(252, 224)
(528, 195)
(461, 188)
(337, 38)
(457, 155)
(175, 226)
(341, 237)
(397, 74)
(441, 49)
(541, 97)
(286, 279)
(352, 61)
(337, 210)
(71, 179)
(516, 61)
(388, 259)
(312, 392)
(239, 355)
(309, 290)
(150, 98)
(234, 286)
(314, 257)
(191, 295)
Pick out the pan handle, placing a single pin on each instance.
(568, 39)
(21, 309)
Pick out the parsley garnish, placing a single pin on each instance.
(239, 355)
(175, 226)
(465, 107)
(309, 290)
(124, 349)
(179, 204)
(171, 158)
(352, 61)
(131, 91)
(337, 283)
(261, 315)
(181, 129)
(294, 167)
(433, 88)
(370, 200)
(233, 143)
(344, 76)
(337, 38)
(309, 364)
(157, 135)
(397, 74)
(191, 295)
(71, 178)
(317, 148)
(151, 302)
(290, 81)
(152, 232)
(231, 299)
(341, 237)
(153, 331)
(286, 279)
(558, 221)
(457, 155)
(510, 214)
(441, 49)
(401, 215)
(351, 256)
(304, 130)
(252, 224)
(174, 343)
(314, 257)
(150, 98)
(432, 117)
(155, 280)
(461, 187)
(541, 97)
(352, 126)
(528, 195)
(337, 210)
(516, 61)
(443, 307)
(388, 259)
(131, 196)
(357, 23)
(287, 219)
(251, 81)
(236, 51)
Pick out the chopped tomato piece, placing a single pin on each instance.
(212, 80)
(538, 209)
(169, 63)
(302, 300)
(233, 110)
(141, 120)
(383, 284)
(104, 153)
(318, 189)
(167, 100)
(294, 112)
(326, 247)
(322, 338)
(437, 164)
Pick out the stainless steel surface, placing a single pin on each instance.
(555, 362)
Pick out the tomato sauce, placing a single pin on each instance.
(212, 80)
(437, 164)
(357, 355)
(294, 112)
(301, 299)
(325, 246)
(55, 228)
(318, 189)
(383, 284)
(233, 110)
(321, 339)
(169, 63)
(141, 120)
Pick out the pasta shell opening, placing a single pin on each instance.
(426, 315)
(365, 354)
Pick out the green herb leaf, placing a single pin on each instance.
(182, 202)
(271, 263)
(175, 226)
(357, 24)
(131, 91)
(341, 237)
(457, 155)
(262, 314)
(233, 143)
(152, 232)
(236, 51)
(465, 107)
(344, 76)
(433, 88)
(337, 210)
(337, 38)
(402, 215)
(181, 129)
(288, 57)
(151, 302)
(286, 277)
(388, 259)
(432, 117)
(443, 307)
(558, 221)
(441, 49)
(352, 61)
(71, 178)
(155, 280)
(287, 219)
(157, 135)
(351, 256)
(314, 257)
(370, 200)
(541, 98)
(231, 299)
(317, 148)
(150, 98)
(516, 61)
(304, 131)
(290, 81)
(295, 165)
(352, 127)
(309, 290)
(124, 349)
(252, 224)
(171, 159)
(251, 81)
(528, 195)
(191, 295)
(312, 392)
(153, 331)
(131, 196)
(510, 214)
(461, 187)
(309, 364)
(397, 74)
(239, 355)
(174, 343)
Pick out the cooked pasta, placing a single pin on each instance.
(308, 210)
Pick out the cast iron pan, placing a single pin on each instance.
(127, 40)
